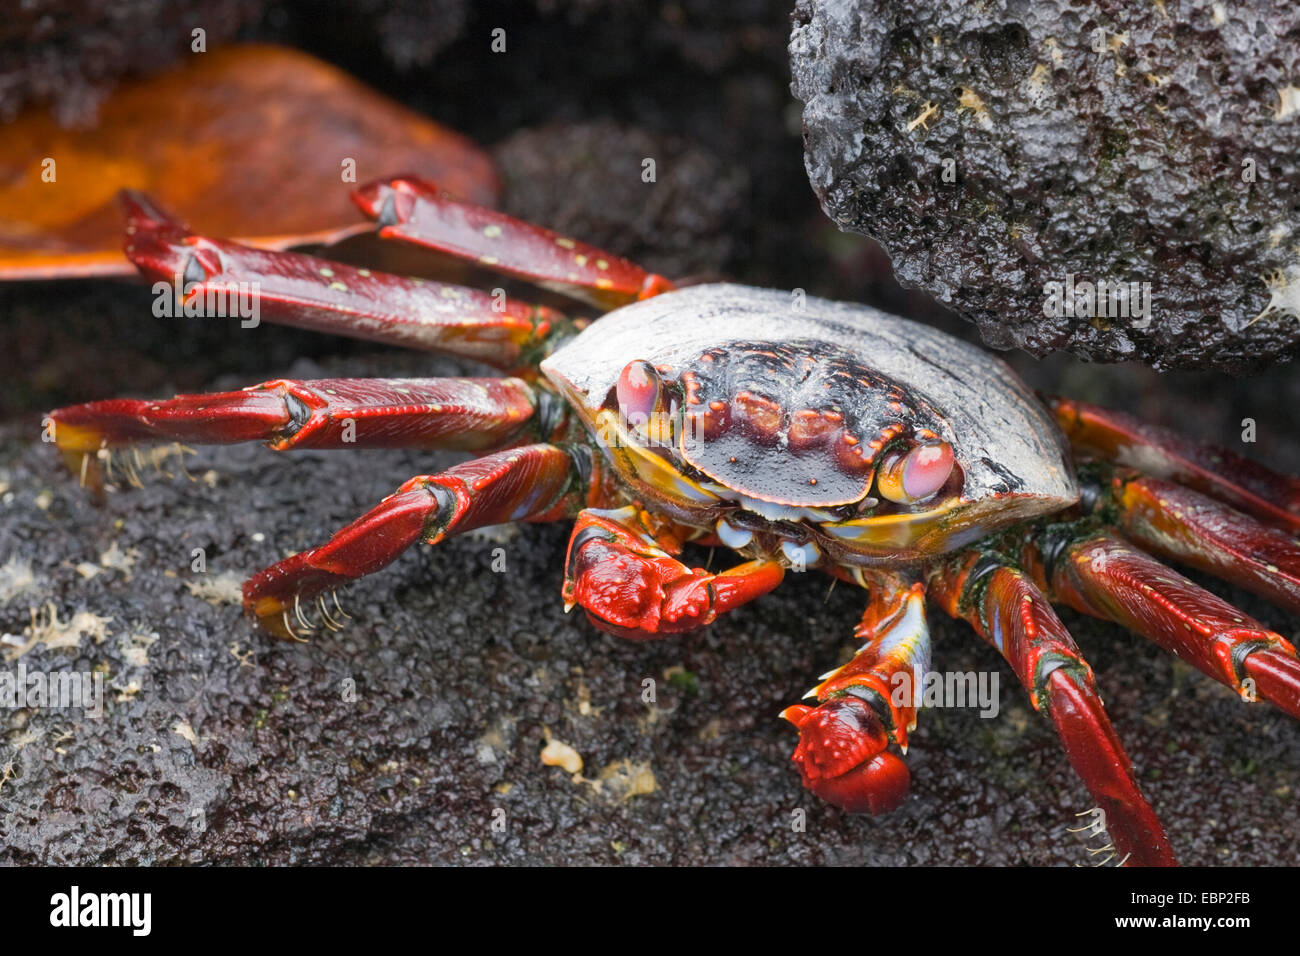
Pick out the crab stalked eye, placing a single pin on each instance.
(910, 476)
(638, 391)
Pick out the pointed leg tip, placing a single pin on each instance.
(271, 616)
(795, 713)
(142, 210)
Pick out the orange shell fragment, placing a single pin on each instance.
(250, 142)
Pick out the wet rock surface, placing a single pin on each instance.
(995, 150)
(219, 744)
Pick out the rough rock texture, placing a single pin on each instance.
(462, 671)
(590, 179)
(1172, 156)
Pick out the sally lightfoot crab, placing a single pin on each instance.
(798, 433)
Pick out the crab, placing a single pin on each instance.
(801, 434)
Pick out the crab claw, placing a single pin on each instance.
(632, 588)
(633, 595)
(842, 756)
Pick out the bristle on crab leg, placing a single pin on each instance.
(1007, 610)
(1105, 577)
(116, 465)
(330, 620)
(529, 483)
(413, 210)
(290, 288)
(1161, 453)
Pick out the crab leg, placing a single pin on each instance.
(412, 210)
(621, 569)
(1162, 453)
(1106, 578)
(1007, 610)
(530, 483)
(842, 754)
(468, 413)
(1185, 526)
(290, 288)
(896, 648)
(459, 413)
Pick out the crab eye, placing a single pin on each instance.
(910, 476)
(637, 391)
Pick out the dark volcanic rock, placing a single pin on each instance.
(587, 180)
(221, 745)
(1130, 164)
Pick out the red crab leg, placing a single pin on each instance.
(842, 754)
(411, 209)
(897, 642)
(460, 413)
(620, 570)
(1009, 612)
(529, 483)
(1162, 453)
(1105, 577)
(1189, 527)
(289, 288)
